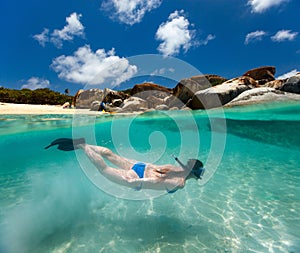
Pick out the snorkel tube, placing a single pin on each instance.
(179, 162)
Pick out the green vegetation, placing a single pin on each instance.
(39, 96)
(217, 82)
(127, 91)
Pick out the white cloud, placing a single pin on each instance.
(254, 36)
(71, 29)
(129, 11)
(162, 71)
(87, 67)
(207, 39)
(284, 35)
(175, 34)
(259, 6)
(43, 37)
(34, 83)
(158, 72)
(289, 74)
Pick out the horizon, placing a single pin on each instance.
(78, 45)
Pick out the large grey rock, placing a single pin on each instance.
(117, 102)
(110, 95)
(292, 84)
(174, 108)
(162, 107)
(84, 98)
(172, 101)
(146, 90)
(66, 105)
(134, 104)
(154, 101)
(87, 97)
(187, 87)
(221, 94)
(76, 97)
(276, 84)
(152, 93)
(262, 95)
(95, 106)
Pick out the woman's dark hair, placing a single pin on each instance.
(197, 168)
(197, 164)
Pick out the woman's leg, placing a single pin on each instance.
(117, 160)
(94, 157)
(115, 175)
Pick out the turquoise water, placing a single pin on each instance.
(251, 203)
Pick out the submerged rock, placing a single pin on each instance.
(273, 132)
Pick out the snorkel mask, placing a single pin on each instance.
(198, 173)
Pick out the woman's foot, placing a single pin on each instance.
(67, 144)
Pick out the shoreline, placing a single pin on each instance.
(23, 109)
(30, 109)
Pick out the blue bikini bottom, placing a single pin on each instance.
(139, 169)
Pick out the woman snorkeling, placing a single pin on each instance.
(137, 175)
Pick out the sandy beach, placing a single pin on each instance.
(8, 108)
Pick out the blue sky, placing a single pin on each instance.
(71, 44)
